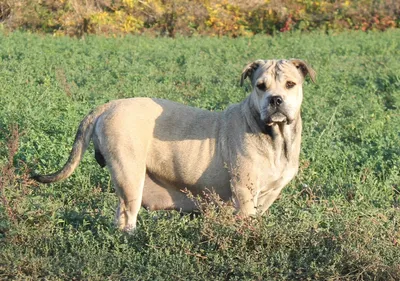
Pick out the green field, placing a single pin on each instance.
(338, 220)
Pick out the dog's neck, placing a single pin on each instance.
(281, 136)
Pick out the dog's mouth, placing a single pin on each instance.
(276, 118)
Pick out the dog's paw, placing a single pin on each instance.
(129, 228)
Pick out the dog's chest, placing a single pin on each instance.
(274, 168)
(275, 178)
(281, 161)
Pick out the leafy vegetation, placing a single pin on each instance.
(212, 17)
(338, 220)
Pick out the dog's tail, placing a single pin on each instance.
(82, 140)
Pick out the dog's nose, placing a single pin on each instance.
(276, 101)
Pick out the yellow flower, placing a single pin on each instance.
(129, 3)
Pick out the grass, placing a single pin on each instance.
(338, 220)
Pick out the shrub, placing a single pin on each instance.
(210, 17)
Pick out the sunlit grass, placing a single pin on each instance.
(339, 219)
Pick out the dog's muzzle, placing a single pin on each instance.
(276, 117)
(276, 111)
(275, 101)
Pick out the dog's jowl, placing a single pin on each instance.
(155, 149)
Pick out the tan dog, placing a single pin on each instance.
(156, 148)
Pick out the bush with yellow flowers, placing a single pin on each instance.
(187, 17)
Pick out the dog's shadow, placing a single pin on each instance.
(194, 123)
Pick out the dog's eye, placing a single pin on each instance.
(262, 86)
(290, 84)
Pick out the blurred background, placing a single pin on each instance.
(188, 17)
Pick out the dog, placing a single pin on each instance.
(155, 148)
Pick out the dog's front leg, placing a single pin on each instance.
(243, 195)
(266, 199)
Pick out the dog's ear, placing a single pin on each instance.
(304, 69)
(249, 70)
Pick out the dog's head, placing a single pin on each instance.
(277, 88)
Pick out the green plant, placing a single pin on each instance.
(338, 220)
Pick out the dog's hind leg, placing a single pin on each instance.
(124, 137)
(128, 170)
(129, 187)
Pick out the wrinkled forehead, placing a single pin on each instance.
(278, 70)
